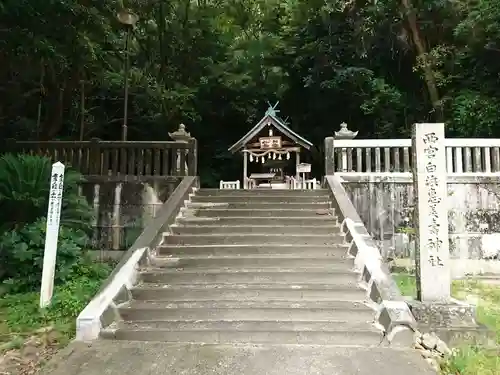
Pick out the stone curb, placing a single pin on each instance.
(392, 311)
(101, 311)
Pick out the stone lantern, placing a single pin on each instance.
(181, 135)
(344, 134)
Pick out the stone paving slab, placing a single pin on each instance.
(152, 358)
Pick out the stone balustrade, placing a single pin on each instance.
(463, 155)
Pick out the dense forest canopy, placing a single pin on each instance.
(213, 64)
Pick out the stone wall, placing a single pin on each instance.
(122, 210)
(386, 205)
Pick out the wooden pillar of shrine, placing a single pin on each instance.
(245, 169)
(297, 162)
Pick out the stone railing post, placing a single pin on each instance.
(182, 136)
(344, 134)
(95, 160)
(329, 156)
(193, 158)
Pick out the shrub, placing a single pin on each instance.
(22, 314)
(24, 193)
(21, 255)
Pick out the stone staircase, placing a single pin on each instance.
(255, 267)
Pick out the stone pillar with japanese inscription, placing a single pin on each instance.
(432, 255)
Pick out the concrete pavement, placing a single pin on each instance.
(105, 357)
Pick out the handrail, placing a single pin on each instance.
(406, 142)
(393, 313)
(407, 178)
(128, 144)
(90, 321)
(122, 160)
(471, 155)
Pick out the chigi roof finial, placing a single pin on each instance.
(272, 111)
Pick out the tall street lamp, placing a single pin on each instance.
(128, 19)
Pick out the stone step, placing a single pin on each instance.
(274, 213)
(252, 239)
(264, 192)
(248, 220)
(247, 310)
(249, 276)
(246, 292)
(242, 262)
(260, 198)
(337, 252)
(261, 229)
(323, 206)
(252, 332)
(243, 325)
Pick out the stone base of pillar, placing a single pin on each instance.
(454, 322)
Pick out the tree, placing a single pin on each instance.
(213, 65)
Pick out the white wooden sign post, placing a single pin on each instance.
(52, 233)
(303, 168)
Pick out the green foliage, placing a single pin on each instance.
(21, 256)
(407, 230)
(407, 284)
(22, 314)
(474, 114)
(468, 359)
(472, 360)
(213, 65)
(24, 193)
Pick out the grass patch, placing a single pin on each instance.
(469, 360)
(21, 316)
(407, 284)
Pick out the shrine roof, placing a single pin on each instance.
(271, 118)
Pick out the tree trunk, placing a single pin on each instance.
(422, 54)
(61, 91)
(161, 39)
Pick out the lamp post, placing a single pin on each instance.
(128, 19)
